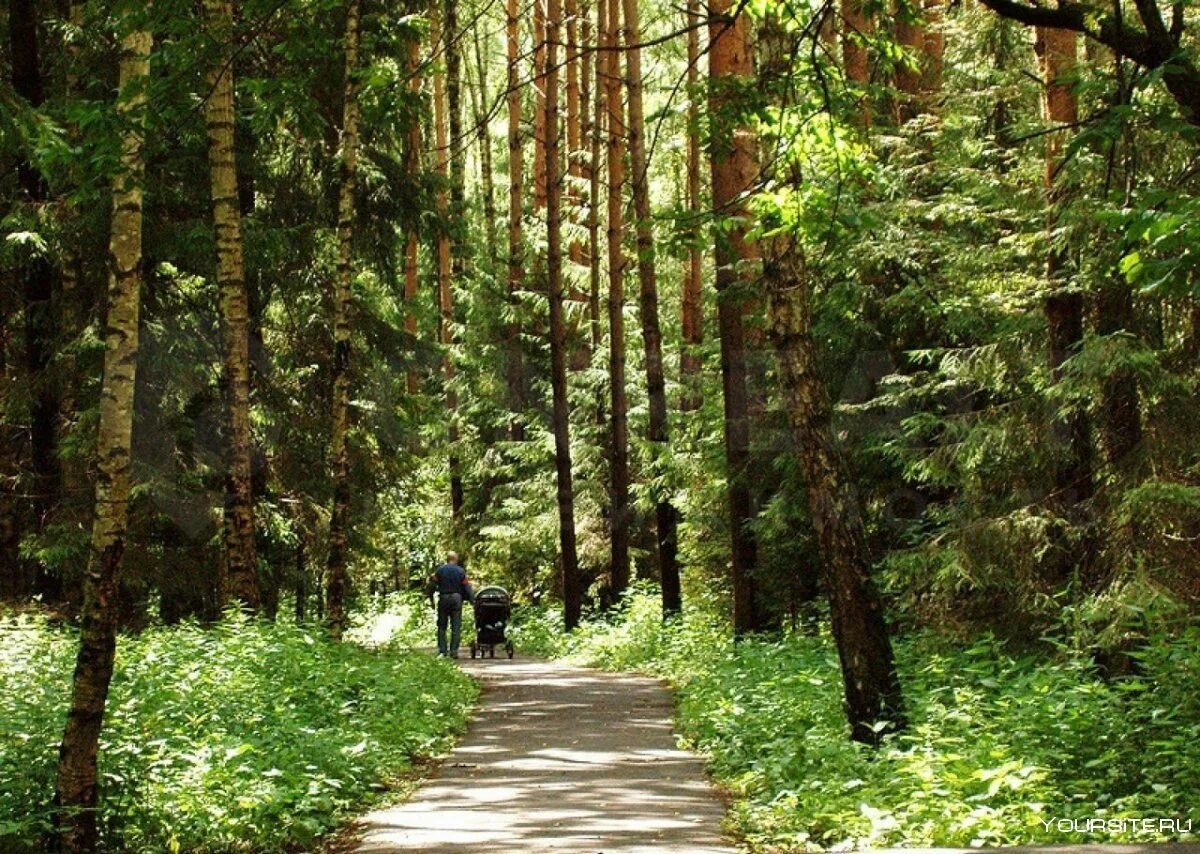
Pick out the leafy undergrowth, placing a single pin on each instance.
(244, 736)
(1000, 743)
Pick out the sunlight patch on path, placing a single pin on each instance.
(560, 758)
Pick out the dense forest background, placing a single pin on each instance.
(841, 322)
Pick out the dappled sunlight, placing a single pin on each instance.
(560, 758)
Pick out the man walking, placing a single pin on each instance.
(451, 584)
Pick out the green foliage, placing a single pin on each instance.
(245, 736)
(1000, 741)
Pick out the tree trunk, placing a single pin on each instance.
(857, 25)
(666, 518)
(539, 105)
(924, 40)
(453, 109)
(339, 522)
(1120, 416)
(693, 318)
(596, 137)
(75, 794)
(872, 688)
(514, 366)
(412, 162)
(572, 583)
(733, 171)
(1063, 307)
(36, 276)
(241, 557)
(619, 462)
(480, 99)
(301, 579)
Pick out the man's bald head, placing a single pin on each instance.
(452, 557)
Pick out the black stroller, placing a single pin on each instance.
(493, 607)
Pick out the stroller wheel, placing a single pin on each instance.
(508, 647)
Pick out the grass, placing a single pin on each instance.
(1000, 742)
(244, 736)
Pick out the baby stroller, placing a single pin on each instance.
(493, 607)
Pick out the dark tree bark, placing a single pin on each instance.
(1063, 306)
(572, 582)
(596, 136)
(692, 304)
(339, 457)
(453, 59)
(514, 361)
(733, 172)
(36, 276)
(1120, 418)
(619, 511)
(666, 517)
(874, 704)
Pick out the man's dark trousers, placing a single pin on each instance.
(449, 611)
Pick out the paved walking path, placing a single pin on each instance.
(559, 758)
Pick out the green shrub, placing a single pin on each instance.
(244, 736)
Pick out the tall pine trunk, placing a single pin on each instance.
(666, 517)
(857, 26)
(514, 362)
(733, 171)
(339, 522)
(240, 576)
(872, 688)
(572, 582)
(1063, 306)
(596, 143)
(619, 517)
(412, 166)
(36, 276)
(692, 303)
(75, 792)
(453, 110)
(483, 131)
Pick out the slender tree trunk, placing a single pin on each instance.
(515, 367)
(453, 108)
(666, 518)
(36, 276)
(599, 112)
(480, 98)
(539, 107)
(301, 579)
(241, 557)
(872, 688)
(572, 582)
(1063, 306)
(75, 794)
(339, 522)
(73, 311)
(733, 171)
(619, 424)
(693, 318)
(412, 162)
(1120, 419)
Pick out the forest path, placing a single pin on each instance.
(559, 758)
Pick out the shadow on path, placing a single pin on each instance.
(559, 758)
